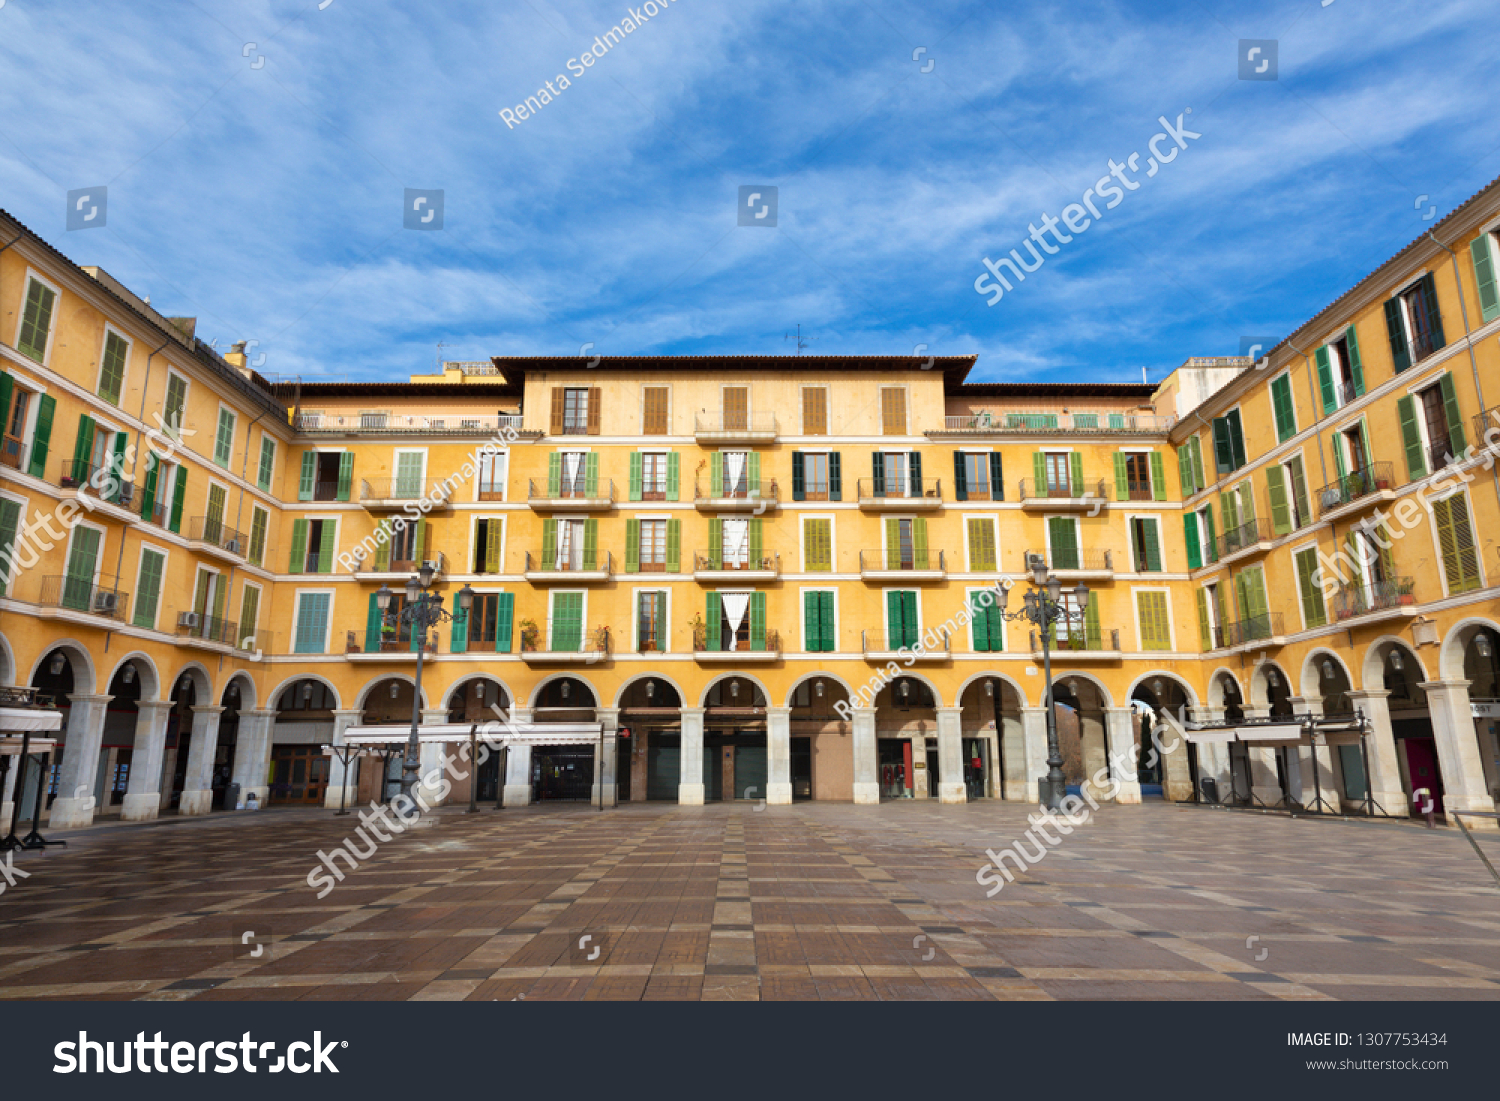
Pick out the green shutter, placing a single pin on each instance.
(1152, 609)
(36, 320)
(1185, 471)
(1196, 449)
(373, 623)
(148, 597)
(1205, 637)
(756, 542)
(554, 475)
(1190, 537)
(1229, 509)
(179, 497)
(799, 476)
(383, 548)
(591, 474)
(1210, 539)
(1456, 544)
(259, 518)
(1427, 286)
(1281, 515)
(812, 621)
(591, 544)
(835, 476)
(636, 460)
(346, 475)
(567, 622)
(1092, 633)
(494, 533)
(716, 474)
(757, 621)
(1395, 330)
(224, 438)
(309, 472)
(328, 544)
(408, 475)
(1299, 489)
(249, 613)
(297, 563)
(83, 447)
(674, 475)
(549, 544)
(960, 477)
(713, 622)
(267, 462)
(505, 613)
(892, 543)
(458, 639)
(877, 473)
(1325, 380)
(1223, 446)
(1356, 368)
(1075, 464)
(674, 546)
(10, 526)
(1484, 277)
(1039, 474)
(716, 544)
(1152, 547)
(919, 544)
(1236, 437)
(752, 473)
(893, 629)
(825, 614)
(1122, 478)
(1457, 442)
(112, 370)
(1063, 534)
(46, 409)
(1313, 612)
(1283, 408)
(1158, 477)
(632, 546)
(1411, 438)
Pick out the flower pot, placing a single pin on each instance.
(1407, 598)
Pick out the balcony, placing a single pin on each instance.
(159, 511)
(80, 600)
(391, 644)
(983, 424)
(717, 566)
(398, 570)
(1081, 645)
(900, 495)
(1090, 497)
(1359, 603)
(909, 565)
(209, 535)
(569, 569)
(207, 632)
(741, 496)
(882, 646)
(1254, 633)
(1487, 428)
(739, 650)
(1089, 564)
(564, 643)
(1246, 541)
(389, 423)
(571, 497)
(103, 490)
(1356, 492)
(719, 428)
(395, 494)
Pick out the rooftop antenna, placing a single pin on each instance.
(800, 342)
(440, 347)
(1143, 375)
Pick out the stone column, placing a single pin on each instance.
(197, 794)
(1264, 786)
(518, 763)
(7, 797)
(1034, 731)
(1213, 757)
(690, 786)
(252, 755)
(1176, 777)
(143, 792)
(1380, 751)
(1458, 750)
(779, 756)
(606, 763)
(1119, 723)
(430, 757)
(866, 759)
(74, 805)
(950, 786)
(338, 776)
(1320, 757)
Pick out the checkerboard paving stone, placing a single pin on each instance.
(727, 903)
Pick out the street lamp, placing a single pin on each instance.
(1044, 607)
(423, 610)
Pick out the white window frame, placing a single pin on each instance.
(474, 542)
(635, 618)
(1211, 600)
(1285, 462)
(234, 429)
(297, 615)
(396, 453)
(337, 523)
(666, 519)
(885, 609)
(140, 563)
(664, 452)
(32, 273)
(103, 347)
(833, 546)
(1047, 535)
(1437, 545)
(989, 518)
(1301, 548)
(500, 457)
(275, 457)
(187, 392)
(1161, 546)
(1135, 611)
(802, 616)
(218, 577)
(260, 609)
(1208, 552)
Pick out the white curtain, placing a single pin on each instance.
(734, 470)
(736, 542)
(735, 607)
(572, 468)
(570, 545)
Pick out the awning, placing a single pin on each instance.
(29, 718)
(11, 747)
(1278, 734)
(514, 734)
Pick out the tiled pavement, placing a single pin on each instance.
(817, 901)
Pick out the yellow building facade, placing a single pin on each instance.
(745, 577)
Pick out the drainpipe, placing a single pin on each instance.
(1463, 311)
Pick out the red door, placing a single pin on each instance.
(1422, 767)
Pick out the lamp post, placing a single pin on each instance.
(422, 609)
(1043, 606)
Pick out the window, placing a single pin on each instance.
(736, 408)
(208, 601)
(148, 588)
(313, 546)
(653, 545)
(213, 518)
(492, 467)
(572, 474)
(735, 621)
(1286, 486)
(1482, 252)
(259, 520)
(735, 474)
(1078, 629)
(1209, 635)
(1229, 442)
(570, 544)
(575, 411)
(1283, 409)
(224, 437)
(1063, 543)
(1432, 430)
(16, 403)
(651, 621)
(897, 473)
(817, 476)
(267, 462)
(815, 410)
(174, 406)
(112, 366)
(1414, 323)
(326, 476)
(1155, 628)
(11, 511)
(410, 467)
(1139, 476)
(1254, 610)
(983, 556)
(978, 476)
(1058, 473)
(654, 410)
(487, 628)
(1456, 543)
(249, 613)
(565, 626)
(906, 544)
(82, 568)
(654, 476)
(818, 630)
(892, 411)
(36, 320)
(489, 535)
(1341, 377)
(165, 493)
(1314, 611)
(311, 636)
(987, 625)
(1190, 467)
(1237, 507)
(817, 544)
(903, 626)
(1145, 544)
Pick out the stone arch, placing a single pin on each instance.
(451, 694)
(85, 677)
(1216, 686)
(1311, 683)
(7, 662)
(626, 685)
(1372, 670)
(1259, 695)
(562, 675)
(1451, 656)
(276, 693)
(200, 678)
(840, 681)
(363, 701)
(1105, 698)
(248, 694)
(722, 677)
(1005, 678)
(1145, 680)
(145, 672)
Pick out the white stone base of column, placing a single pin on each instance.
(690, 795)
(1267, 796)
(609, 795)
(1130, 791)
(1453, 803)
(330, 798)
(1033, 791)
(195, 803)
(71, 814)
(140, 808)
(262, 796)
(952, 793)
(866, 794)
(517, 795)
(779, 795)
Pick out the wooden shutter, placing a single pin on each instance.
(549, 545)
(1427, 288)
(494, 531)
(1195, 448)
(567, 622)
(591, 544)
(297, 563)
(893, 411)
(1158, 476)
(1457, 441)
(1356, 368)
(267, 462)
(877, 473)
(1283, 408)
(1236, 437)
(591, 474)
(799, 476)
(654, 422)
(817, 545)
(1314, 614)
(632, 545)
(812, 620)
(752, 472)
(112, 370)
(346, 474)
(1281, 515)
(713, 622)
(835, 476)
(373, 623)
(1191, 538)
(46, 410)
(554, 475)
(1064, 542)
(36, 320)
(757, 621)
(505, 612)
(179, 496)
(1223, 447)
(1185, 471)
(1411, 437)
(914, 472)
(814, 410)
(1395, 330)
(674, 547)
(327, 545)
(249, 613)
(919, 545)
(458, 639)
(981, 545)
(997, 476)
(1484, 277)
(1299, 490)
(736, 408)
(1075, 469)
(1456, 543)
(757, 545)
(1122, 477)
(1151, 545)
(1152, 607)
(636, 461)
(309, 472)
(559, 400)
(674, 476)
(1211, 540)
(1326, 390)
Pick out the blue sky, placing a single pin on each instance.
(262, 189)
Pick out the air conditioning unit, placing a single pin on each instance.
(1036, 562)
(233, 546)
(432, 565)
(106, 602)
(127, 491)
(187, 619)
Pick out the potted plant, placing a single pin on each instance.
(600, 639)
(1404, 589)
(387, 637)
(530, 633)
(700, 632)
